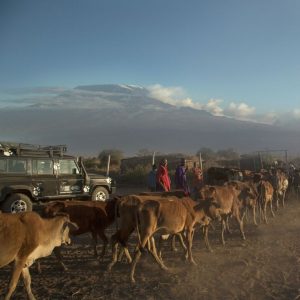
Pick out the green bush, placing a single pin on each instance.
(136, 176)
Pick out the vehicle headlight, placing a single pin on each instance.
(86, 188)
(36, 191)
(108, 180)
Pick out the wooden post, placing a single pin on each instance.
(108, 165)
(200, 161)
(286, 161)
(153, 158)
(260, 159)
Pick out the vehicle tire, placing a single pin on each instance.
(100, 194)
(17, 203)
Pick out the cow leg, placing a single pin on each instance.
(212, 226)
(114, 255)
(137, 255)
(283, 198)
(181, 241)
(27, 283)
(127, 254)
(260, 213)
(246, 214)
(160, 241)
(125, 251)
(254, 215)
(148, 245)
(17, 269)
(189, 246)
(121, 254)
(154, 254)
(271, 207)
(105, 242)
(223, 223)
(59, 257)
(227, 225)
(95, 241)
(265, 212)
(38, 267)
(206, 241)
(173, 245)
(241, 225)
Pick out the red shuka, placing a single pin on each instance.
(163, 178)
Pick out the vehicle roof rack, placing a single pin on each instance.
(21, 149)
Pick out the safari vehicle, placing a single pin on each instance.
(32, 173)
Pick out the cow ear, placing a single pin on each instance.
(72, 226)
(62, 214)
(59, 206)
(212, 190)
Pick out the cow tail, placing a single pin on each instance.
(116, 214)
(137, 222)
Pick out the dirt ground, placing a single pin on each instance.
(265, 266)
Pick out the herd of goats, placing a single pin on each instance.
(154, 216)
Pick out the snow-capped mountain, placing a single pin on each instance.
(127, 117)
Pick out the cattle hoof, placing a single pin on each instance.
(193, 263)
(132, 280)
(109, 267)
(64, 268)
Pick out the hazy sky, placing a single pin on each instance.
(235, 51)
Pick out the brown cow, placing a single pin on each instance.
(166, 216)
(248, 196)
(280, 185)
(266, 192)
(25, 237)
(126, 210)
(227, 199)
(90, 216)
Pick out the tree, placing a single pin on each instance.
(144, 152)
(228, 154)
(115, 157)
(206, 153)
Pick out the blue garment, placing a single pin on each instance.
(151, 180)
(180, 179)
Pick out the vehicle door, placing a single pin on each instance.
(70, 179)
(15, 173)
(44, 179)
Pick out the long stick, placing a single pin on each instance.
(153, 158)
(200, 160)
(108, 164)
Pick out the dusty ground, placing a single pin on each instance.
(265, 266)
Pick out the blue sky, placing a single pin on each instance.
(233, 52)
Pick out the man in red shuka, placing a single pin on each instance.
(163, 182)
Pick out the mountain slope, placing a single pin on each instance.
(91, 118)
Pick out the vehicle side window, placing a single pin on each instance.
(16, 166)
(67, 166)
(2, 165)
(42, 166)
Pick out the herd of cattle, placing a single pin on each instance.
(155, 217)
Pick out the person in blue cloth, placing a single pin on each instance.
(180, 177)
(151, 180)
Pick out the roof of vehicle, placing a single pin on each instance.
(26, 150)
